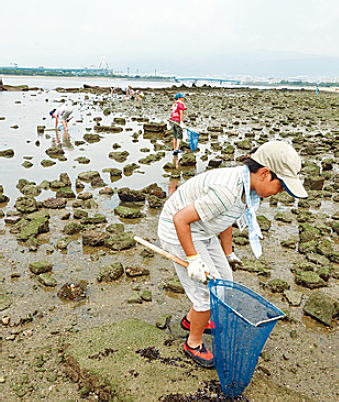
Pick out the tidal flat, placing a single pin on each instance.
(71, 273)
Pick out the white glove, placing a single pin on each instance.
(182, 125)
(234, 261)
(197, 269)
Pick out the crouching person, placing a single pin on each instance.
(196, 225)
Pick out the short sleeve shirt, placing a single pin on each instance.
(217, 197)
(176, 109)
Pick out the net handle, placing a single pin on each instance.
(269, 320)
(166, 254)
(161, 251)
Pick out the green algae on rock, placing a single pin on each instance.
(40, 267)
(322, 307)
(128, 339)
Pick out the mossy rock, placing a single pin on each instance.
(115, 228)
(284, 217)
(256, 266)
(128, 195)
(246, 145)
(321, 307)
(119, 156)
(26, 205)
(277, 285)
(27, 164)
(113, 171)
(40, 267)
(128, 213)
(107, 129)
(129, 168)
(264, 223)
(65, 192)
(110, 273)
(308, 247)
(174, 285)
(31, 190)
(120, 241)
(47, 279)
(7, 153)
(79, 214)
(55, 152)
(92, 138)
(47, 163)
(3, 198)
(325, 247)
(188, 159)
(33, 228)
(72, 228)
(88, 176)
(309, 279)
(308, 232)
(94, 220)
(83, 160)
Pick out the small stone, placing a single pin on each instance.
(5, 320)
(5, 302)
(174, 285)
(265, 356)
(163, 321)
(146, 295)
(294, 334)
(277, 285)
(135, 299)
(47, 279)
(293, 297)
(136, 271)
(40, 267)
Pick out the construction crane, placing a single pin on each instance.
(103, 65)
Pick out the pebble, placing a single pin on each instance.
(5, 320)
(28, 332)
(2, 379)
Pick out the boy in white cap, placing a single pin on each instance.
(196, 224)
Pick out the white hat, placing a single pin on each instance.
(283, 160)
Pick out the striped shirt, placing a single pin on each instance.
(216, 195)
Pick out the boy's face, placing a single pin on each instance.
(264, 186)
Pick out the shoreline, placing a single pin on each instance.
(171, 83)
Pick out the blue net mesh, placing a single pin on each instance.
(237, 341)
(193, 139)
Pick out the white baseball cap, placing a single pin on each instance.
(283, 160)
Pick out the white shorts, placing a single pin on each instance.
(213, 255)
(67, 113)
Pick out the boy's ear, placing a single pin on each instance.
(263, 172)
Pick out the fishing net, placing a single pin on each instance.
(193, 139)
(242, 321)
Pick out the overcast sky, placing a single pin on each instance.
(186, 37)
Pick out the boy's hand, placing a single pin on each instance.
(197, 269)
(234, 261)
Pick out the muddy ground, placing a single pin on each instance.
(299, 361)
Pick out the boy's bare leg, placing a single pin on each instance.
(198, 320)
(178, 144)
(64, 122)
(174, 144)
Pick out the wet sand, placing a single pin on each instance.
(300, 352)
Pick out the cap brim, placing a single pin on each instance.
(293, 186)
